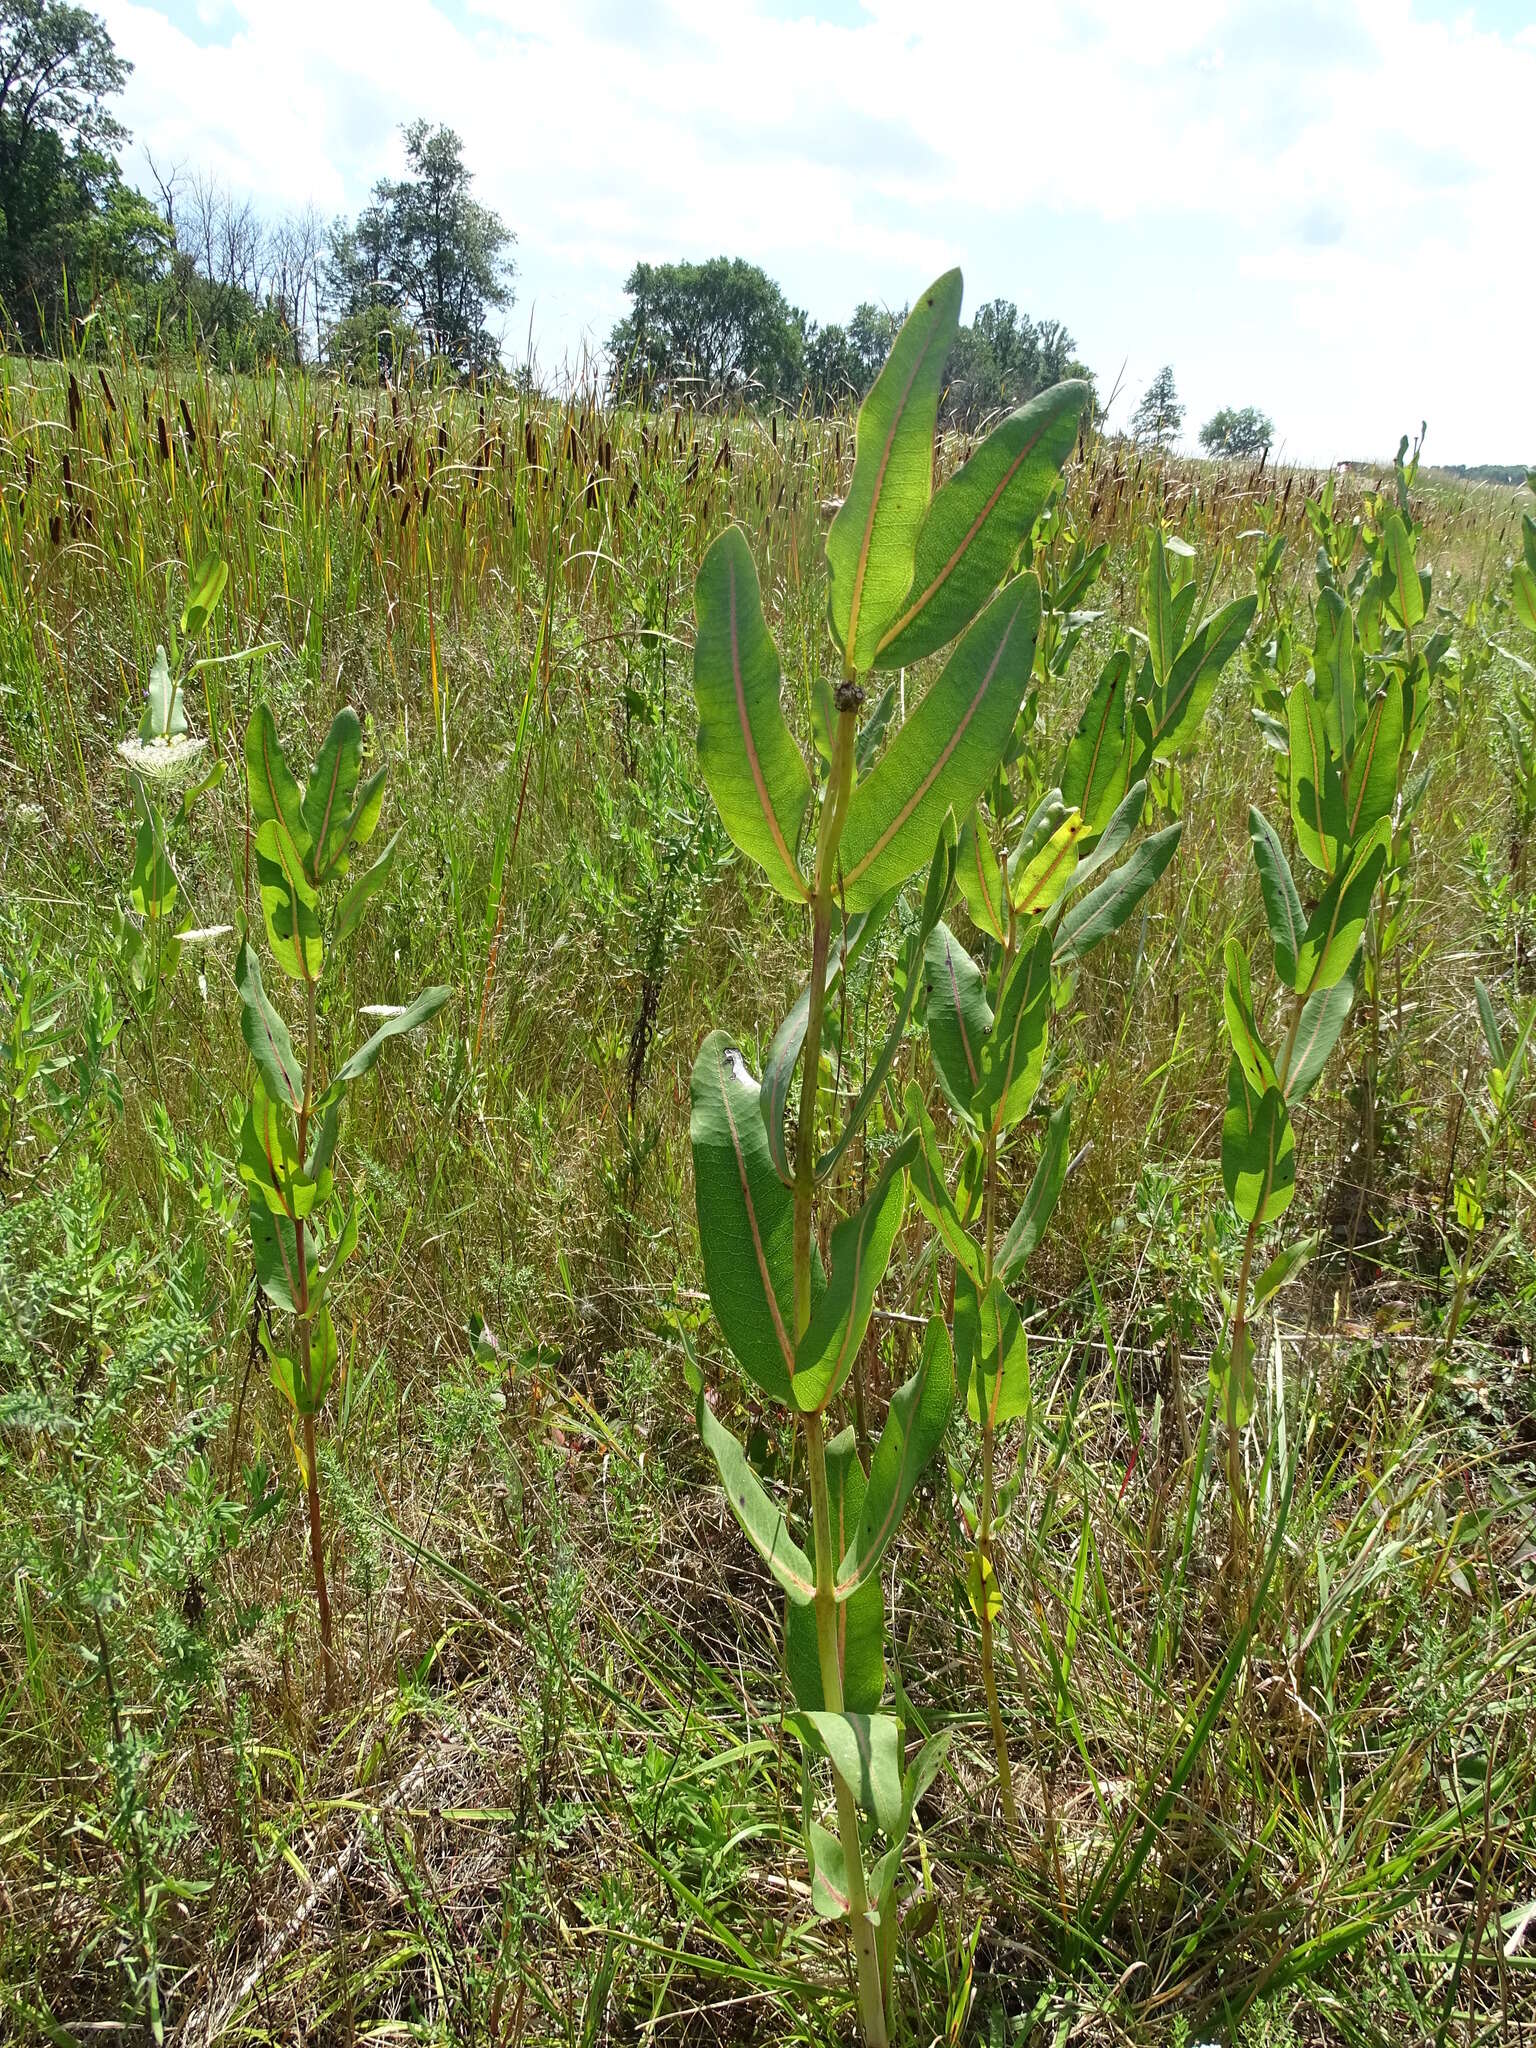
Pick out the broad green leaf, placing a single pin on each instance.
(945, 754)
(205, 588)
(1334, 928)
(1333, 667)
(1371, 783)
(1122, 823)
(747, 756)
(323, 1354)
(164, 716)
(1093, 768)
(866, 1754)
(330, 793)
(789, 1040)
(958, 1014)
(1525, 595)
(860, 1620)
(1317, 1033)
(1029, 1226)
(289, 905)
(991, 1354)
(1013, 1057)
(982, 1589)
(941, 871)
(266, 1034)
(364, 821)
(761, 1523)
(872, 543)
(914, 1428)
(363, 1061)
(1157, 601)
(1407, 593)
(931, 1191)
(981, 879)
(1282, 905)
(1317, 797)
(274, 1246)
(1284, 1266)
(1489, 1017)
(1179, 706)
(1040, 884)
(916, 1780)
(152, 886)
(860, 1252)
(362, 889)
(830, 1896)
(746, 1218)
(977, 521)
(275, 798)
(269, 1151)
(1237, 1006)
(1258, 1149)
(1105, 909)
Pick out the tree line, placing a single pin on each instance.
(85, 256)
(417, 277)
(724, 330)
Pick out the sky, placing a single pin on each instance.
(1320, 207)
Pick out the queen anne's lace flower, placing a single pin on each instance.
(167, 762)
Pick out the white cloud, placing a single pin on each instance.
(1316, 206)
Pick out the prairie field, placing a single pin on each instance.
(1261, 1619)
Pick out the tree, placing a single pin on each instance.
(425, 247)
(1157, 419)
(1231, 432)
(64, 209)
(1002, 359)
(723, 327)
(834, 367)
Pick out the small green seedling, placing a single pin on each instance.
(311, 902)
(911, 571)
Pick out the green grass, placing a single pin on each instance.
(550, 1803)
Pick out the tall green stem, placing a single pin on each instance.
(1235, 1361)
(834, 809)
(305, 1318)
(987, 1572)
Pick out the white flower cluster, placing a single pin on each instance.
(167, 762)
